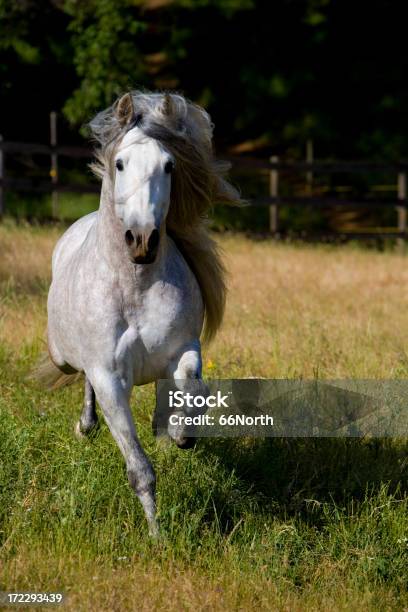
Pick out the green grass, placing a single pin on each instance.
(312, 516)
(295, 524)
(70, 206)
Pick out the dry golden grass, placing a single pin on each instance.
(26, 254)
(25, 271)
(134, 584)
(304, 311)
(292, 311)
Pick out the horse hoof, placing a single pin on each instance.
(186, 443)
(82, 434)
(78, 431)
(179, 434)
(181, 440)
(155, 532)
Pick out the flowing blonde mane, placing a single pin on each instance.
(198, 182)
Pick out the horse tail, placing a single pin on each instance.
(48, 375)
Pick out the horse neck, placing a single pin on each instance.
(109, 235)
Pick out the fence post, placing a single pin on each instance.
(309, 160)
(54, 163)
(2, 190)
(402, 210)
(273, 193)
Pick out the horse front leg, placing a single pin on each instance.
(89, 419)
(113, 398)
(186, 371)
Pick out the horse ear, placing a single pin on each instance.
(124, 109)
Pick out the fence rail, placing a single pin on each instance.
(324, 167)
(44, 149)
(42, 186)
(274, 166)
(324, 202)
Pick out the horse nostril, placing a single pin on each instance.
(153, 240)
(129, 238)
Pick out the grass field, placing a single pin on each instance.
(291, 524)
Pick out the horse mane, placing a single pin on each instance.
(198, 182)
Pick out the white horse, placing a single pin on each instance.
(134, 283)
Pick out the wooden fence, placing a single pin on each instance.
(274, 166)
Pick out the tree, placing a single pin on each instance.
(273, 73)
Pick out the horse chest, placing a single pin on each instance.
(157, 322)
(150, 339)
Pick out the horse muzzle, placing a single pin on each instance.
(142, 247)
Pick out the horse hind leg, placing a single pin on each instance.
(89, 419)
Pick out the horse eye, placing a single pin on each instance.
(119, 164)
(168, 167)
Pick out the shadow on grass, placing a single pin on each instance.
(289, 476)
